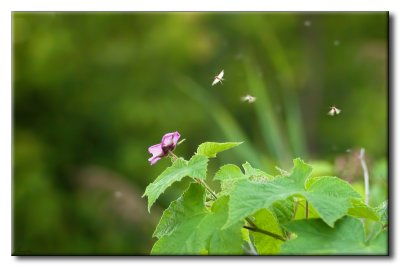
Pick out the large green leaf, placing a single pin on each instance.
(314, 237)
(210, 149)
(196, 167)
(222, 242)
(267, 245)
(330, 196)
(188, 228)
(190, 204)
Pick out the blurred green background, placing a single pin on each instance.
(92, 91)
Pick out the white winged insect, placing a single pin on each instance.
(218, 78)
(249, 99)
(334, 111)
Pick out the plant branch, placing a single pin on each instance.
(255, 228)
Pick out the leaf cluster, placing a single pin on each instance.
(258, 213)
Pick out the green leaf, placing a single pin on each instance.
(382, 211)
(249, 197)
(314, 237)
(267, 245)
(245, 235)
(379, 243)
(228, 172)
(361, 210)
(210, 149)
(190, 204)
(223, 242)
(196, 167)
(256, 174)
(301, 210)
(283, 210)
(228, 175)
(329, 196)
(187, 227)
(184, 213)
(282, 171)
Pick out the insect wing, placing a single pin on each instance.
(218, 78)
(331, 112)
(248, 98)
(337, 111)
(220, 75)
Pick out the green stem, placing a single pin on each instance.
(206, 187)
(296, 205)
(172, 155)
(265, 232)
(366, 175)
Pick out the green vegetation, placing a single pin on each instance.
(189, 227)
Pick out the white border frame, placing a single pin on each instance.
(6, 7)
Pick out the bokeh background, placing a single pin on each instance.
(92, 91)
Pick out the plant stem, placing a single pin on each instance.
(366, 175)
(252, 248)
(180, 142)
(173, 156)
(255, 228)
(206, 187)
(265, 232)
(296, 205)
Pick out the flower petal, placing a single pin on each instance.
(167, 140)
(170, 139)
(168, 143)
(176, 138)
(156, 150)
(153, 160)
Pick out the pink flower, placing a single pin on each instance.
(168, 143)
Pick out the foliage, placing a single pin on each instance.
(347, 237)
(266, 219)
(201, 224)
(195, 167)
(188, 227)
